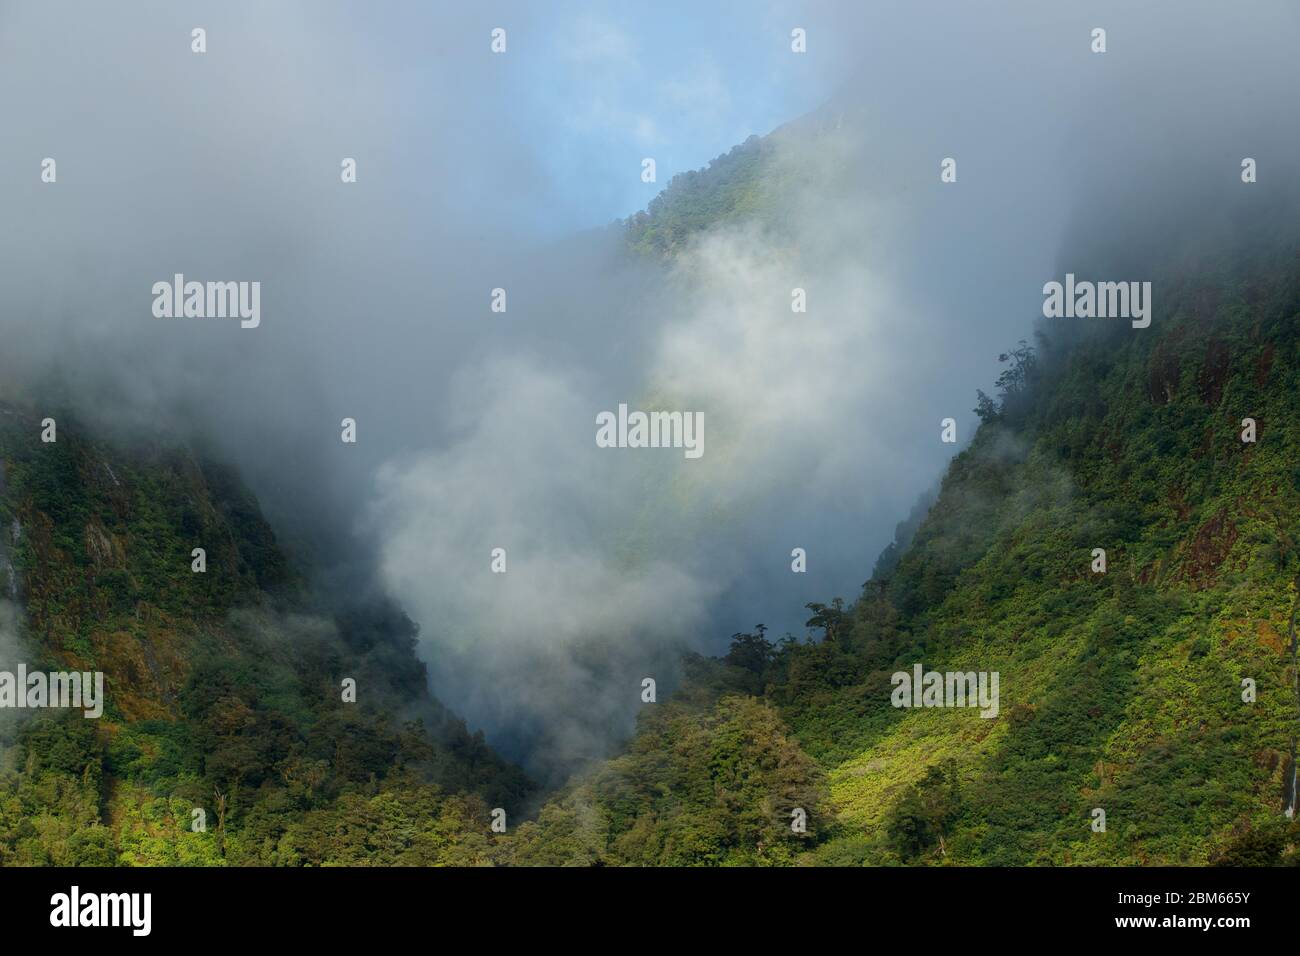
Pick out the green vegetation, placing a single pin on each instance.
(697, 787)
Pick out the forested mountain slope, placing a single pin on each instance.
(223, 688)
(1125, 692)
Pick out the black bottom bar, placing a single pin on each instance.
(659, 907)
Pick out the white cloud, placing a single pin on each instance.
(598, 42)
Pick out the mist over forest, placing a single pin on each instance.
(475, 428)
